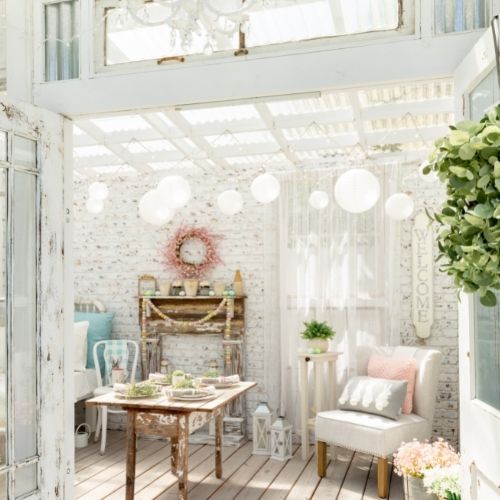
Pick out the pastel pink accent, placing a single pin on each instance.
(395, 369)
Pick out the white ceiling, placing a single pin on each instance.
(397, 121)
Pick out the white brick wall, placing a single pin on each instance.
(114, 248)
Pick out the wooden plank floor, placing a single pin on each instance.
(245, 476)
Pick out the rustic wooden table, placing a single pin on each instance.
(173, 419)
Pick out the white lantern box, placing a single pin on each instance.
(262, 430)
(281, 439)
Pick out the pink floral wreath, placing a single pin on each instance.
(172, 252)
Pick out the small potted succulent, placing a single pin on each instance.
(117, 372)
(317, 335)
(178, 376)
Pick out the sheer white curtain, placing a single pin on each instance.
(331, 266)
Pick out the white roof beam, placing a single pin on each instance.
(125, 157)
(182, 124)
(276, 133)
(267, 72)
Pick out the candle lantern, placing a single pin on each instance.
(281, 439)
(262, 430)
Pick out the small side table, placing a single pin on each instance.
(324, 368)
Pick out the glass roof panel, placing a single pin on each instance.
(121, 123)
(220, 114)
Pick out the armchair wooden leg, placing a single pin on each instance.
(321, 458)
(382, 478)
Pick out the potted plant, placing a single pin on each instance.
(317, 335)
(416, 460)
(117, 372)
(444, 482)
(466, 162)
(178, 376)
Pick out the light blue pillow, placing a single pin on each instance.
(100, 326)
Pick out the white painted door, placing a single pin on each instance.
(477, 88)
(32, 230)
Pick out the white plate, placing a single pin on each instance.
(125, 396)
(226, 385)
(193, 397)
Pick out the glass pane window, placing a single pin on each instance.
(24, 152)
(452, 16)
(25, 480)
(155, 30)
(487, 353)
(3, 146)
(62, 40)
(483, 96)
(3, 319)
(24, 315)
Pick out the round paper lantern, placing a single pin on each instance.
(357, 190)
(154, 210)
(230, 202)
(94, 206)
(399, 206)
(430, 177)
(98, 191)
(265, 188)
(319, 200)
(175, 190)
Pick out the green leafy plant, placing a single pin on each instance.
(178, 373)
(211, 374)
(185, 384)
(142, 389)
(467, 162)
(317, 330)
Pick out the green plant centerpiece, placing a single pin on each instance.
(317, 335)
(467, 161)
(178, 376)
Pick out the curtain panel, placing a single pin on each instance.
(331, 266)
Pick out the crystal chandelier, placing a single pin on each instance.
(210, 19)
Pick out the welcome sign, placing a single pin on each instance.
(422, 276)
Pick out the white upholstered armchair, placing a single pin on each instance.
(380, 436)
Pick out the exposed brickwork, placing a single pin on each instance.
(114, 248)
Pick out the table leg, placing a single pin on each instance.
(182, 454)
(219, 420)
(304, 408)
(131, 451)
(173, 453)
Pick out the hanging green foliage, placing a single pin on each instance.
(467, 161)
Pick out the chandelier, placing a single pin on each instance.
(208, 19)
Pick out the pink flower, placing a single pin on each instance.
(414, 458)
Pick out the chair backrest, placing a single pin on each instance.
(428, 366)
(90, 306)
(131, 345)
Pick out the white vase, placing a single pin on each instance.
(415, 490)
(321, 344)
(191, 287)
(177, 379)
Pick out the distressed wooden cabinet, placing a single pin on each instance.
(228, 321)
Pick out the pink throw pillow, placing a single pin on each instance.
(395, 369)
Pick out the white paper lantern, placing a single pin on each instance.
(265, 188)
(281, 439)
(230, 202)
(357, 190)
(319, 200)
(399, 206)
(94, 206)
(175, 190)
(432, 176)
(154, 210)
(262, 430)
(98, 191)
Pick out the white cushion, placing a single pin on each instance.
(371, 434)
(80, 330)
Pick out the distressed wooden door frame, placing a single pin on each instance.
(54, 410)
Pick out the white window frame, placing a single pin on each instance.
(409, 29)
(9, 166)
